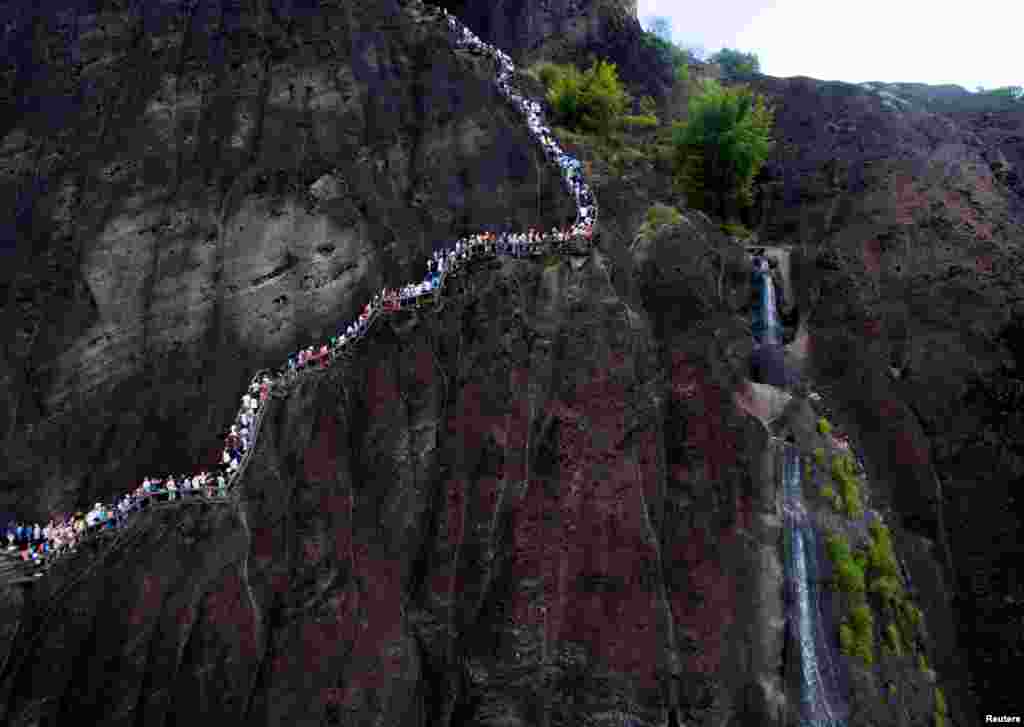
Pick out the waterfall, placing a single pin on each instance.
(820, 698)
(822, 703)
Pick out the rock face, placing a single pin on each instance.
(216, 200)
(551, 504)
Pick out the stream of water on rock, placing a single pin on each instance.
(821, 701)
(820, 696)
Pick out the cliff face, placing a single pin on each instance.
(542, 505)
(217, 198)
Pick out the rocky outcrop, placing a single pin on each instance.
(571, 31)
(218, 199)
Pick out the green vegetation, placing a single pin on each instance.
(882, 556)
(824, 427)
(856, 636)
(592, 101)
(735, 230)
(648, 106)
(1011, 92)
(721, 147)
(658, 216)
(819, 456)
(888, 588)
(735, 63)
(893, 639)
(658, 35)
(941, 711)
(892, 690)
(849, 574)
(843, 473)
(639, 122)
(551, 261)
(922, 662)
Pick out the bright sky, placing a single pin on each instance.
(913, 41)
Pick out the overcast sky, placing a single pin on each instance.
(869, 40)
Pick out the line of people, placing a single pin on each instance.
(41, 545)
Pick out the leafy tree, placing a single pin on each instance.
(604, 98)
(671, 54)
(721, 147)
(661, 27)
(1011, 92)
(593, 101)
(736, 63)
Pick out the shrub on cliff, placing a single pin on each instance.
(882, 557)
(592, 101)
(857, 635)
(849, 574)
(721, 147)
(639, 122)
(843, 472)
(893, 639)
(941, 711)
(824, 427)
(658, 216)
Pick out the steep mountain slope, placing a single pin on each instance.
(545, 506)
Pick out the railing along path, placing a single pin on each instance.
(15, 570)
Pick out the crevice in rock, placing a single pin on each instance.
(290, 261)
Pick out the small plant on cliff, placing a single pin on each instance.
(824, 427)
(880, 552)
(843, 472)
(658, 216)
(734, 229)
(856, 636)
(941, 711)
(894, 641)
(910, 616)
(849, 574)
(819, 456)
(639, 122)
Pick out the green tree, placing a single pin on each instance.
(721, 147)
(1012, 92)
(735, 63)
(603, 99)
(661, 27)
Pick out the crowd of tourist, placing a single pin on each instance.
(40, 545)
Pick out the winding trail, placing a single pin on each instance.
(577, 241)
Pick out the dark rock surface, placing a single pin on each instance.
(542, 507)
(217, 200)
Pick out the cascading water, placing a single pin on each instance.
(821, 700)
(766, 328)
(768, 361)
(820, 695)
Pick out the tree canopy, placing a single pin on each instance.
(658, 35)
(736, 63)
(721, 147)
(592, 101)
